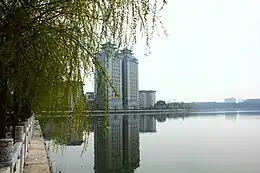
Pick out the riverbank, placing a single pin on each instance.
(37, 161)
(117, 112)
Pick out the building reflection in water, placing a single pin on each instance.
(131, 142)
(147, 124)
(116, 139)
(117, 146)
(63, 132)
(233, 116)
(108, 150)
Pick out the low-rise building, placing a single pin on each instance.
(147, 98)
(161, 104)
(252, 101)
(90, 96)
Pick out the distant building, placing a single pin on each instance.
(112, 66)
(90, 104)
(230, 100)
(130, 79)
(147, 98)
(90, 95)
(240, 100)
(175, 105)
(252, 101)
(161, 104)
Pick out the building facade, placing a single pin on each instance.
(252, 101)
(90, 96)
(129, 80)
(147, 98)
(108, 90)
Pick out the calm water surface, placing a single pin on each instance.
(215, 143)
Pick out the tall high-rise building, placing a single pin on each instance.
(130, 80)
(105, 94)
(122, 70)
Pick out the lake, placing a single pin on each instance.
(200, 143)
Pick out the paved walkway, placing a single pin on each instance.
(37, 161)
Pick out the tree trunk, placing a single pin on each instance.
(25, 111)
(3, 100)
(26, 104)
(16, 115)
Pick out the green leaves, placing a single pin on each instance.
(49, 46)
(54, 40)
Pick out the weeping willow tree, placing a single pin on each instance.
(48, 47)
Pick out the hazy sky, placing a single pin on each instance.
(212, 51)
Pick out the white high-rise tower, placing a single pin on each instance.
(112, 66)
(130, 80)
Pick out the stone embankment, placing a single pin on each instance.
(25, 154)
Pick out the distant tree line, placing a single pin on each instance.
(223, 106)
(161, 104)
(206, 105)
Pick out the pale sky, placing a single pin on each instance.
(212, 52)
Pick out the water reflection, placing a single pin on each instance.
(217, 143)
(117, 146)
(147, 124)
(116, 140)
(232, 116)
(63, 131)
